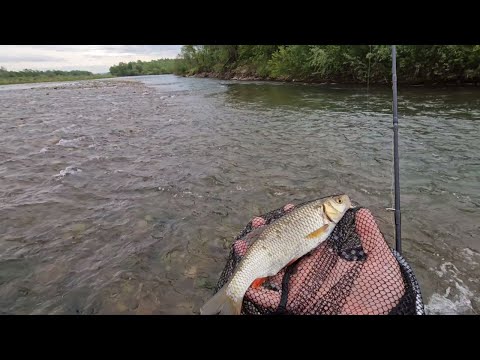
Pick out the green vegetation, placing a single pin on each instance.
(416, 64)
(154, 67)
(33, 76)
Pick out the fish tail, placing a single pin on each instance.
(221, 304)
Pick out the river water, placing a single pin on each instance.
(123, 196)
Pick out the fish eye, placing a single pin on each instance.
(339, 200)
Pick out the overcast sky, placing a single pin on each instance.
(94, 58)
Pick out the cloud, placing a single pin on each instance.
(8, 58)
(95, 58)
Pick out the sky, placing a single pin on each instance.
(94, 58)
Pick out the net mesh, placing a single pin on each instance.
(353, 272)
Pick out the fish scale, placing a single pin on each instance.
(287, 239)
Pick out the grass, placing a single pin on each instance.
(59, 78)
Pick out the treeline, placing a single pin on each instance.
(27, 76)
(416, 64)
(154, 67)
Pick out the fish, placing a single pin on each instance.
(281, 243)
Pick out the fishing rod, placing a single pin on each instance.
(396, 165)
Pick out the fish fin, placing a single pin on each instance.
(292, 261)
(222, 304)
(318, 232)
(258, 282)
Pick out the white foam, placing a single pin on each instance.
(452, 302)
(69, 143)
(69, 170)
(43, 150)
(471, 256)
(67, 129)
(444, 270)
(450, 305)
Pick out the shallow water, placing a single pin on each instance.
(123, 197)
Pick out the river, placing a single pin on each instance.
(123, 196)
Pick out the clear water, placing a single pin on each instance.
(123, 197)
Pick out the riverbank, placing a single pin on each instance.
(249, 77)
(429, 65)
(42, 79)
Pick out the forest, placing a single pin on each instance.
(135, 68)
(416, 64)
(32, 76)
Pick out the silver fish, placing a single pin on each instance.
(287, 239)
